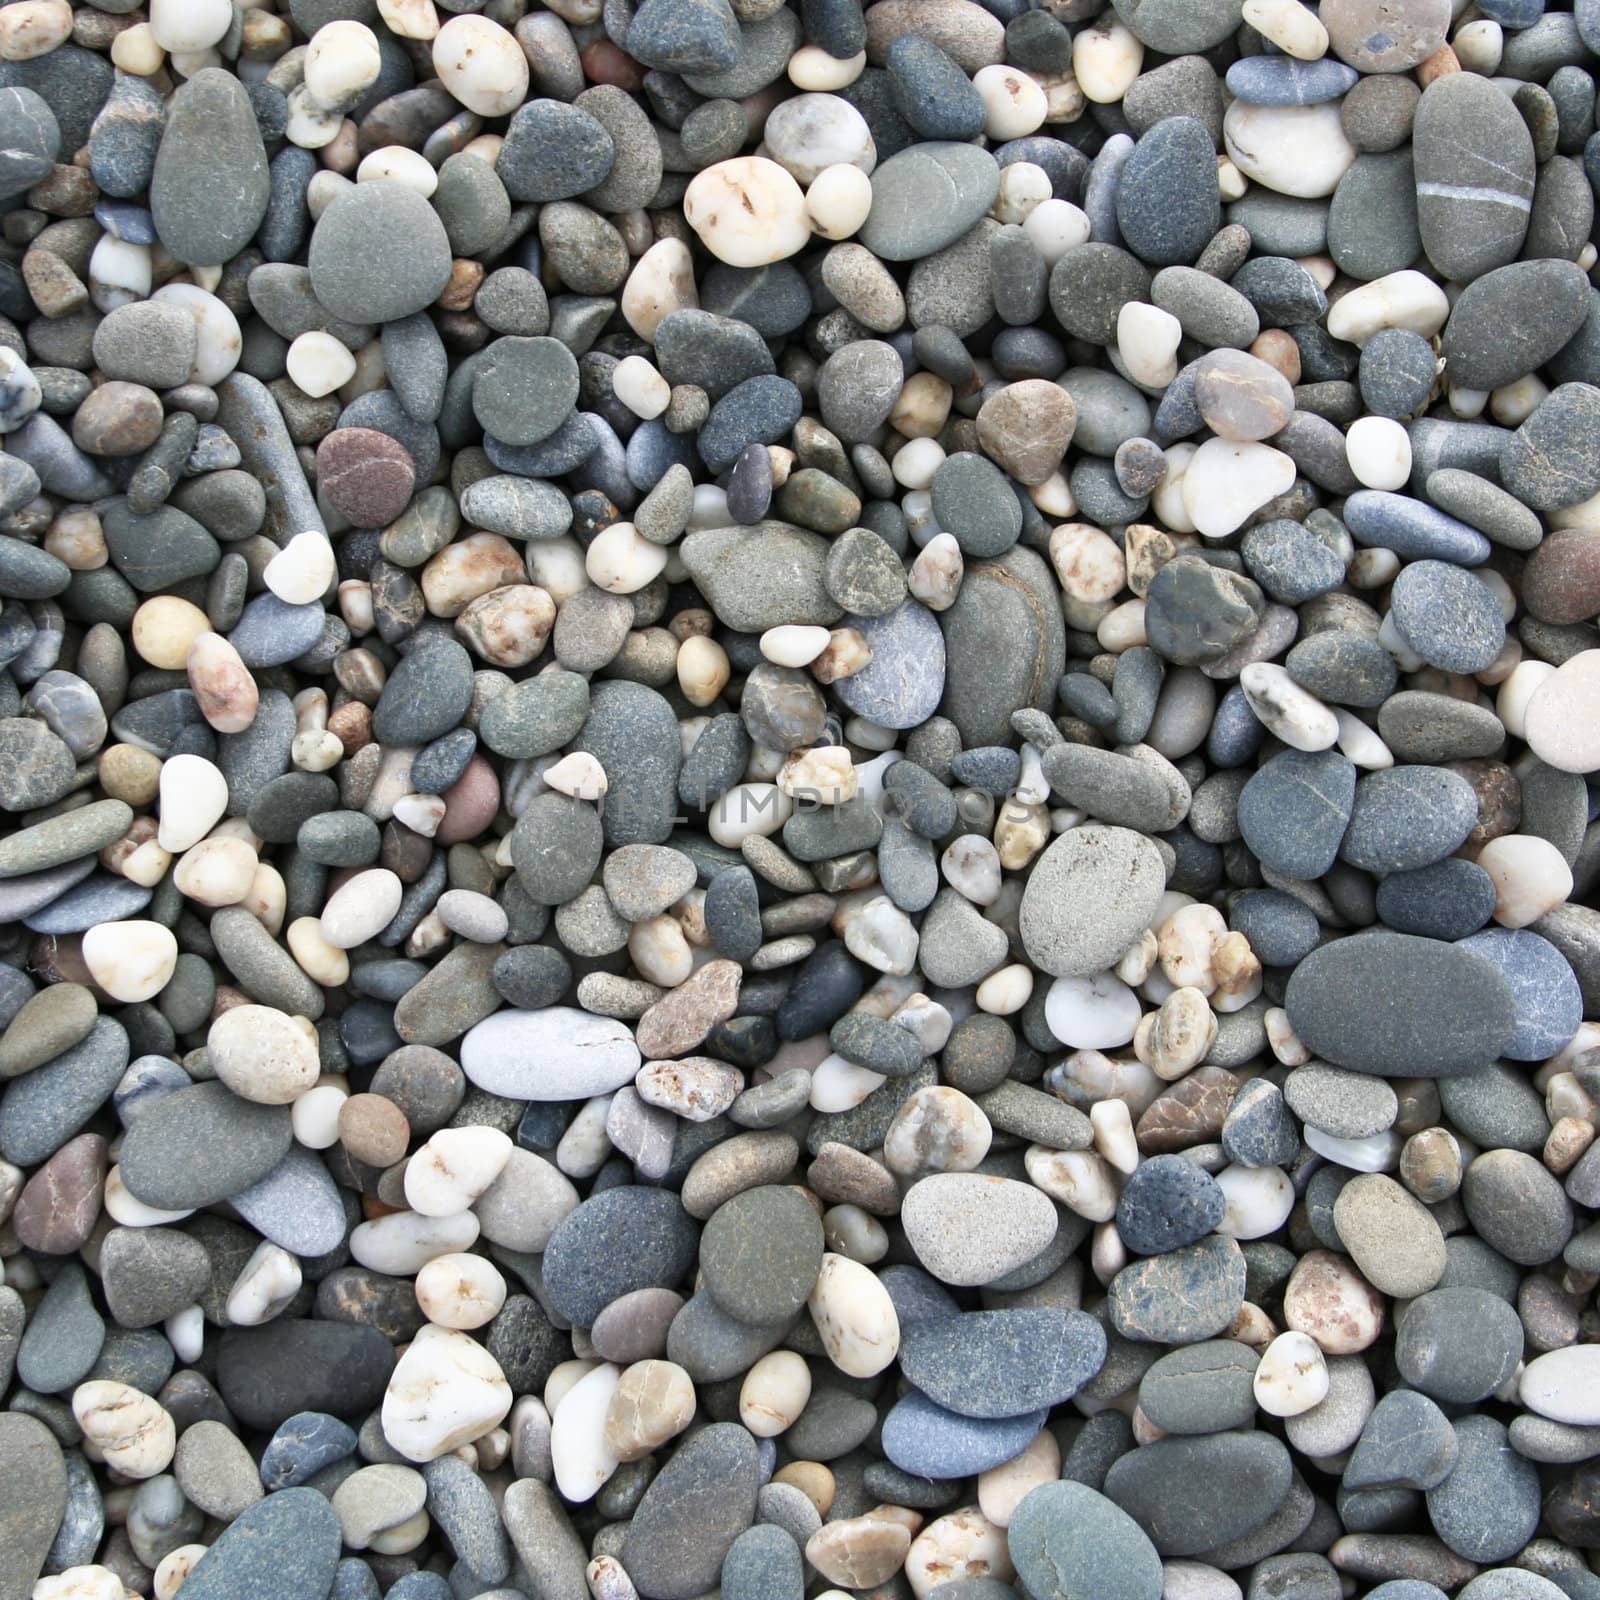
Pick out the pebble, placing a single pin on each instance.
(586, 443)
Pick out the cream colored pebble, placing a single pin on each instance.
(341, 62)
(1013, 102)
(621, 560)
(838, 200)
(216, 872)
(133, 1433)
(460, 1290)
(774, 1393)
(319, 364)
(640, 387)
(481, 64)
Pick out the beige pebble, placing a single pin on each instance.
(133, 1433)
(215, 872)
(654, 1402)
(859, 1552)
(855, 1317)
(774, 1393)
(1002, 1489)
(165, 627)
(263, 1054)
(1327, 1298)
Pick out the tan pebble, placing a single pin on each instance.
(215, 872)
(222, 684)
(812, 1479)
(1569, 1138)
(654, 1402)
(859, 1552)
(508, 626)
(847, 653)
(128, 773)
(372, 1127)
(165, 627)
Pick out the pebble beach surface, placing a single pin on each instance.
(799, 800)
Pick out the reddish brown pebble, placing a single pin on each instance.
(469, 803)
(603, 62)
(366, 476)
(1561, 582)
(60, 1204)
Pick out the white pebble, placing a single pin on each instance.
(403, 1242)
(1293, 150)
(1099, 1012)
(1226, 480)
(662, 281)
(794, 644)
(640, 387)
(855, 1317)
(1024, 187)
(748, 212)
(220, 343)
(1147, 341)
(621, 560)
(342, 62)
(1530, 877)
(838, 200)
(133, 1433)
(262, 1054)
(218, 871)
(185, 25)
(1379, 452)
(394, 163)
(1295, 30)
(194, 795)
(1114, 1137)
(580, 1454)
(453, 1168)
(1259, 1200)
(481, 64)
(1055, 227)
(1292, 1375)
(1564, 1385)
(315, 1115)
(270, 1279)
(131, 961)
(1378, 1152)
(1082, 1180)
(748, 809)
(361, 908)
(445, 1391)
(812, 68)
(774, 1393)
(460, 1290)
(1405, 299)
(1293, 714)
(1105, 60)
(302, 571)
(1013, 102)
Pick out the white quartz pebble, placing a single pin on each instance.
(131, 961)
(303, 569)
(640, 387)
(1293, 714)
(1054, 227)
(1377, 1152)
(1013, 102)
(1147, 341)
(838, 200)
(460, 1290)
(1293, 150)
(1114, 1137)
(361, 908)
(1106, 58)
(342, 62)
(794, 644)
(1292, 1375)
(579, 775)
(1379, 452)
(662, 281)
(269, 1280)
(621, 560)
(410, 19)
(1099, 1012)
(445, 1391)
(315, 1115)
(481, 64)
(1259, 1200)
(132, 1432)
(1405, 299)
(319, 364)
(448, 1173)
(1296, 31)
(1226, 480)
(748, 212)
(403, 1242)
(855, 1317)
(1530, 877)
(747, 809)
(194, 795)
(1082, 1180)
(774, 1393)
(1562, 716)
(181, 26)
(394, 163)
(811, 67)
(580, 1454)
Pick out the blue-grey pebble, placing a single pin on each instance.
(1548, 1001)
(925, 1439)
(1294, 811)
(1408, 817)
(1447, 900)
